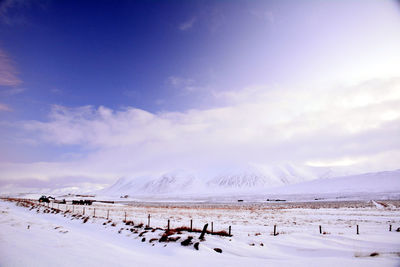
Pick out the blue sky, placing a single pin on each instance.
(116, 54)
(191, 69)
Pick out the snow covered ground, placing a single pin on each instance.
(29, 237)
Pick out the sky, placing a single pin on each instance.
(91, 91)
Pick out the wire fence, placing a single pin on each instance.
(166, 218)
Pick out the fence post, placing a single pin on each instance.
(320, 229)
(358, 232)
(203, 232)
(83, 211)
(390, 228)
(108, 213)
(275, 230)
(148, 221)
(230, 230)
(168, 225)
(125, 217)
(212, 227)
(191, 225)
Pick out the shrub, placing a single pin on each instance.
(140, 225)
(129, 223)
(187, 241)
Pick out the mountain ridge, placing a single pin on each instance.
(249, 180)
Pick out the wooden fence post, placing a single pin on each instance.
(275, 230)
(390, 228)
(203, 232)
(230, 230)
(320, 229)
(108, 213)
(168, 225)
(191, 225)
(125, 217)
(358, 232)
(148, 221)
(212, 227)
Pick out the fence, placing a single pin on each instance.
(116, 214)
(126, 215)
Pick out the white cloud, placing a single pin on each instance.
(328, 127)
(187, 24)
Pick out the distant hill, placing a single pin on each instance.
(285, 179)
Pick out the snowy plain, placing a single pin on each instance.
(30, 237)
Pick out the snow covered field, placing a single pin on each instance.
(33, 237)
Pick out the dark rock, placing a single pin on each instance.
(142, 233)
(187, 241)
(174, 239)
(218, 250)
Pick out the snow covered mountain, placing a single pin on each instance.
(176, 181)
(247, 179)
(253, 176)
(376, 182)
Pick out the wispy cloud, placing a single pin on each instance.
(8, 73)
(9, 14)
(177, 81)
(56, 91)
(4, 107)
(267, 15)
(13, 91)
(186, 25)
(186, 84)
